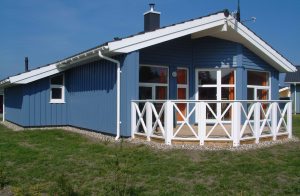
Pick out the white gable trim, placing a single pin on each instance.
(137, 42)
(165, 34)
(260, 44)
(34, 74)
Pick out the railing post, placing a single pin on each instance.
(257, 121)
(289, 119)
(201, 121)
(274, 120)
(236, 123)
(133, 120)
(148, 120)
(168, 122)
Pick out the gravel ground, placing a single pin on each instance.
(159, 146)
(6, 191)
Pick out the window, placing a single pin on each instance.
(153, 85)
(258, 87)
(182, 91)
(216, 85)
(57, 89)
(153, 82)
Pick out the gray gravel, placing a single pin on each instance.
(159, 146)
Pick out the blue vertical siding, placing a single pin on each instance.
(14, 105)
(129, 89)
(296, 109)
(212, 52)
(92, 96)
(28, 105)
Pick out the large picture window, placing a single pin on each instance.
(57, 89)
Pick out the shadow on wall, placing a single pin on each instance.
(94, 76)
(14, 97)
(206, 52)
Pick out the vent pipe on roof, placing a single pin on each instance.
(26, 64)
(151, 19)
(238, 13)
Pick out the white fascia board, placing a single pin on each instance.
(292, 82)
(137, 42)
(260, 44)
(4, 82)
(34, 75)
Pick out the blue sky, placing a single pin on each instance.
(47, 31)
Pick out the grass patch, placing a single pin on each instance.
(62, 163)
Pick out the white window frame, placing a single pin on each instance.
(153, 85)
(258, 87)
(62, 87)
(219, 87)
(186, 86)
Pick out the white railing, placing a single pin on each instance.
(203, 121)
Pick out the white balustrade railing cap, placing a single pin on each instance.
(211, 101)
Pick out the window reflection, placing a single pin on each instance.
(207, 77)
(153, 74)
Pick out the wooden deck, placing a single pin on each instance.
(217, 135)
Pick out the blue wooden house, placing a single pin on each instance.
(206, 79)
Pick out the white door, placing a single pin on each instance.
(215, 84)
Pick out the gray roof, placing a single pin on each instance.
(292, 77)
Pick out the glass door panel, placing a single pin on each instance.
(227, 95)
(262, 94)
(216, 85)
(145, 93)
(209, 93)
(160, 94)
(181, 94)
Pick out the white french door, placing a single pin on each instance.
(215, 84)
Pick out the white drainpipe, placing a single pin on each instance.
(118, 90)
(3, 106)
(295, 102)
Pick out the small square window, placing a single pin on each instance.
(57, 89)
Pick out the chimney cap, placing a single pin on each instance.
(151, 5)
